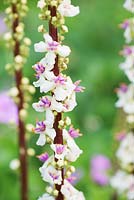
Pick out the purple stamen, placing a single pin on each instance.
(78, 88)
(52, 46)
(125, 24)
(39, 69)
(123, 88)
(43, 157)
(53, 176)
(59, 148)
(60, 80)
(44, 102)
(40, 127)
(73, 132)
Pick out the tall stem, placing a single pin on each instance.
(53, 31)
(21, 125)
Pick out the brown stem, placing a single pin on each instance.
(114, 196)
(21, 125)
(53, 31)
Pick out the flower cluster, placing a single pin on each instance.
(123, 181)
(58, 96)
(19, 44)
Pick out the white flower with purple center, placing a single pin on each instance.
(43, 157)
(60, 151)
(70, 193)
(68, 10)
(49, 173)
(126, 98)
(48, 104)
(44, 129)
(125, 153)
(128, 26)
(52, 47)
(129, 5)
(73, 151)
(128, 53)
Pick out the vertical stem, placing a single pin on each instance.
(53, 31)
(21, 125)
(114, 196)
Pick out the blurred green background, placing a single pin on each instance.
(95, 41)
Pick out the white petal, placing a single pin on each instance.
(37, 107)
(47, 38)
(49, 118)
(51, 133)
(60, 93)
(49, 60)
(63, 51)
(46, 86)
(41, 140)
(56, 105)
(40, 47)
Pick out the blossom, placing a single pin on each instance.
(129, 5)
(126, 98)
(75, 177)
(44, 129)
(49, 173)
(43, 157)
(46, 197)
(52, 47)
(70, 193)
(60, 151)
(47, 103)
(68, 10)
(122, 182)
(8, 109)
(41, 4)
(99, 169)
(73, 150)
(74, 133)
(128, 26)
(125, 153)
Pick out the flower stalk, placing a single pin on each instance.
(123, 180)
(21, 91)
(59, 96)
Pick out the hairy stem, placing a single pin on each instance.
(53, 31)
(21, 125)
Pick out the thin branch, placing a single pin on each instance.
(21, 125)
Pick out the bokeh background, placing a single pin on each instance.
(95, 41)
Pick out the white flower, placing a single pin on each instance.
(46, 197)
(60, 151)
(126, 98)
(125, 152)
(70, 193)
(47, 103)
(41, 4)
(49, 173)
(122, 181)
(73, 150)
(51, 47)
(129, 5)
(68, 10)
(45, 128)
(129, 30)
